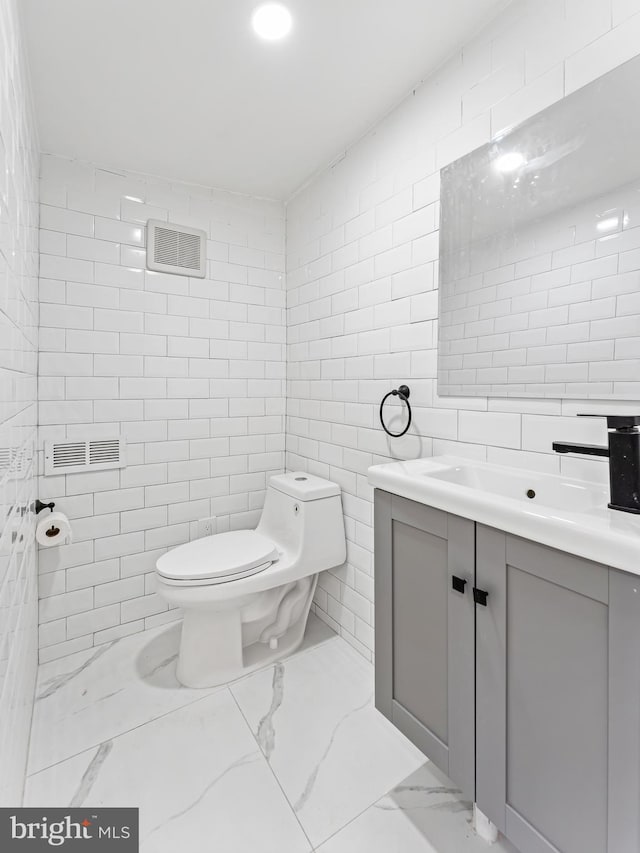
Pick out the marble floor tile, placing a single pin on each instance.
(292, 758)
(87, 698)
(332, 752)
(94, 695)
(198, 777)
(423, 814)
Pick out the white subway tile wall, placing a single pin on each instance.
(18, 385)
(362, 255)
(191, 372)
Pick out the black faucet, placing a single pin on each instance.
(624, 459)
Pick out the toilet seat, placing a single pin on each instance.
(218, 559)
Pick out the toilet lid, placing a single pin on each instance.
(225, 555)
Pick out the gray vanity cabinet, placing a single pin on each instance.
(524, 687)
(425, 630)
(557, 698)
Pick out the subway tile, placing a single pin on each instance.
(603, 54)
(138, 608)
(50, 290)
(119, 546)
(97, 204)
(66, 269)
(78, 341)
(144, 301)
(492, 428)
(117, 591)
(96, 619)
(65, 364)
(119, 232)
(92, 296)
(142, 344)
(66, 316)
(117, 411)
(66, 221)
(90, 249)
(58, 606)
(118, 321)
(117, 365)
(534, 97)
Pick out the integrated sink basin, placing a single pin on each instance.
(524, 486)
(571, 515)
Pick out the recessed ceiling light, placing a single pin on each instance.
(510, 162)
(272, 21)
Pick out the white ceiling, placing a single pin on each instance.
(183, 89)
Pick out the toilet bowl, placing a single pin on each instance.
(246, 594)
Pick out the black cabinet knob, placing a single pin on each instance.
(480, 596)
(458, 584)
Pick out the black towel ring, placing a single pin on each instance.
(403, 392)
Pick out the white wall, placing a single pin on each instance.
(362, 253)
(189, 371)
(18, 364)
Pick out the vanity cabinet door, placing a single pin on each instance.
(557, 704)
(425, 630)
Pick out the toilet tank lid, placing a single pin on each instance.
(304, 487)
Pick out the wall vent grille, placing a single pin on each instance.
(176, 249)
(68, 457)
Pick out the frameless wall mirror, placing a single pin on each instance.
(540, 253)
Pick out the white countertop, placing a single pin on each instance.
(570, 515)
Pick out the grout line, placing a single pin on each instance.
(362, 811)
(212, 692)
(273, 773)
(286, 343)
(351, 820)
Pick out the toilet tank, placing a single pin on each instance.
(303, 516)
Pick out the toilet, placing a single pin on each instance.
(246, 594)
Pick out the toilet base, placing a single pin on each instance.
(211, 649)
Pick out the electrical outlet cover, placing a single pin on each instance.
(207, 526)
